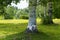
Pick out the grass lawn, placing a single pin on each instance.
(14, 30)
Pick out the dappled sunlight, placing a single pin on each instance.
(25, 36)
(57, 21)
(14, 21)
(38, 20)
(4, 33)
(17, 21)
(8, 29)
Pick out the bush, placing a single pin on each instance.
(23, 17)
(7, 16)
(9, 12)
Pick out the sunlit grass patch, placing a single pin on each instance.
(12, 30)
(9, 29)
(57, 21)
(14, 21)
(26, 21)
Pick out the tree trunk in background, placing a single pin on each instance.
(50, 13)
(47, 18)
(32, 17)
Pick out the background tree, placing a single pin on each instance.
(47, 15)
(50, 11)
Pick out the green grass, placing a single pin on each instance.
(14, 30)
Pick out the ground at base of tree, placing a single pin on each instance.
(11, 31)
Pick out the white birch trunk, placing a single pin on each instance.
(32, 19)
(32, 16)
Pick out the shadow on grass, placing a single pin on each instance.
(30, 36)
(51, 25)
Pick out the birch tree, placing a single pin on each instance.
(32, 16)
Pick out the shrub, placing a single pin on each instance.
(7, 16)
(23, 17)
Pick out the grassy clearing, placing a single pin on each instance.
(14, 21)
(14, 30)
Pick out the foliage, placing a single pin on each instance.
(32, 2)
(39, 11)
(9, 12)
(24, 17)
(22, 14)
(56, 9)
(5, 3)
